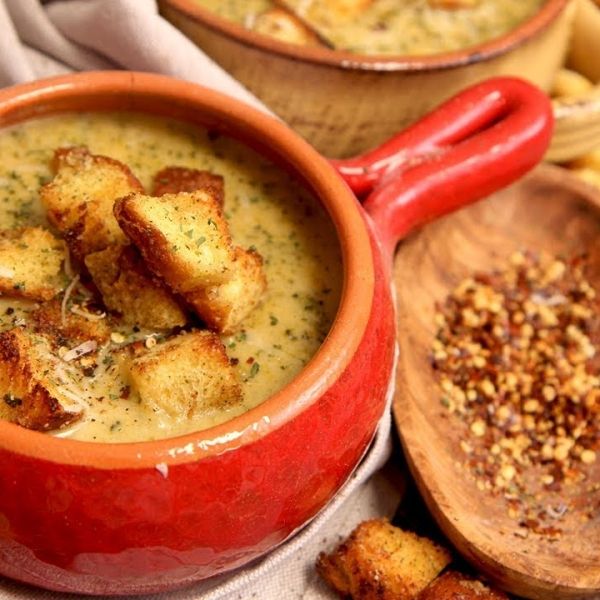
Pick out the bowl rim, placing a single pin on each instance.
(70, 92)
(543, 18)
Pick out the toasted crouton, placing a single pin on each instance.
(453, 4)
(286, 27)
(351, 7)
(79, 200)
(173, 180)
(224, 307)
(31, 263)
(28, 394)
(325, 11)
(127, 287)
(183, 237)
(186, 376)
(382, 562)
(456, 586)
(48, 320)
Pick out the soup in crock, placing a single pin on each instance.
(410, 27)
(118, 377)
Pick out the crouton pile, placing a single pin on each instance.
(381, 562)
(120, 257)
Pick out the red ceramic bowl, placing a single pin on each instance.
(132, 518)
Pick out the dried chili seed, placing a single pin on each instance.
(516, 356)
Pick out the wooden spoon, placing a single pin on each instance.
(547, 211)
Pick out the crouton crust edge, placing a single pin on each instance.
(32, 407)
(172, 180)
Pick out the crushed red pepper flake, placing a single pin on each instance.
(516, 356)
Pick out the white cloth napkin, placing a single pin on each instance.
(42, 39)
(81, 35)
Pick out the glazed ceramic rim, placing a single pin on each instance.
(543, 18)
(130, 89)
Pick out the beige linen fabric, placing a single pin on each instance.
(42, 39)
(84, 35)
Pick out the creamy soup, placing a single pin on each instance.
(409, 27)
(265, 208)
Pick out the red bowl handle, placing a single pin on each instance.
(472, 145)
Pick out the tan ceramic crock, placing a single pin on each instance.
(345, 103)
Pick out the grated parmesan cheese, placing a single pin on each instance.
(65, 300)
(84, 348)
(6, 272)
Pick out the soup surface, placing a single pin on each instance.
(266, 210)
(409, 27)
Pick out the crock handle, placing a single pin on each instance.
(472, 145)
